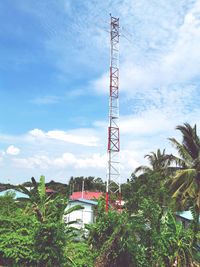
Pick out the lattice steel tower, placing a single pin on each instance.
(113, 172)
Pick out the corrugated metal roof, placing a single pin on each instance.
(17, 193)
(186, 215)
(49, 190)
(82, 200)
(86, 195)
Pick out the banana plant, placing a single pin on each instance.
(46, 207)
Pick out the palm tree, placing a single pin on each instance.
(185, 185)
(159, 162)
(149, 182)
(153, 177)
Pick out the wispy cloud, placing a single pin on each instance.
(45, 100)
(166, 78)
(79, 136)
(2, 154)
(13, 150)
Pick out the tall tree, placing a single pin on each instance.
(185, 185)
(149, 181)
(159, 161)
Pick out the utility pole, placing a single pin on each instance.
(113, 173)
(82, 193)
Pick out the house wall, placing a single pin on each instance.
(82, 217)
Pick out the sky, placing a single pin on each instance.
(54, 83)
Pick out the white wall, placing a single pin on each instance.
(83, 216)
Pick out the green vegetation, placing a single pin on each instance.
(145, 233)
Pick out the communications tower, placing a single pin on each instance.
(113, 171)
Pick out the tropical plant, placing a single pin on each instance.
(7, 203)
(149, 181)
(17, 239)
(50, 243)
(51, 238)
(39, 201)
(50, 233)
(185, 185)
(80, 254)
(16, 247)
(177, 241)
(158, 161)
(103, 227)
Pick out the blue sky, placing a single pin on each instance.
(54, 83)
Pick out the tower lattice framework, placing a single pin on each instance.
(113, 171)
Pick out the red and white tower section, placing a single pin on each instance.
(113, 173)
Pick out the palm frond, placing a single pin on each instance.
(41, 187)
(193, 212)
(152, 158)
(35, 185)
(49, 198)
(182, 184)
(74, 208)
(23, 199)
(142, 169)
(190, 139)
(178, 191)
(181, 150)
(23, 189)
(159, 160)
(180, 163)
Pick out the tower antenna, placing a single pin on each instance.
(113, 172)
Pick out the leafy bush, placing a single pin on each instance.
(80, 254)
(17, 247)
(16, 241)
(50, 244)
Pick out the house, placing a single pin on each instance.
(50, 191)
(15, 193)
(82, 216)
(185, 217)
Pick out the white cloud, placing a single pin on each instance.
(66, 160)
(94, 161)
(129, 161)
(37, 133)
(160, 92)
(38, 161)
(166, 79)
(12, 150)
(70, 163)
(2, 154)
(45, 100)
(75, 93)
(85, 137)
(149, 122)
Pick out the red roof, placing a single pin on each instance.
(86, 195)
(49, 190)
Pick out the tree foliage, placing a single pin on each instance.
(145, 233)
(185, 184)
(90, 184)
(80, 254)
